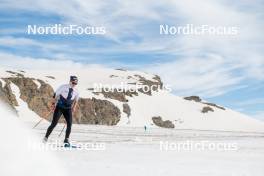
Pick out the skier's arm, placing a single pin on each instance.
(56, 96)
(53, 101)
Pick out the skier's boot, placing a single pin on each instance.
(66, 142)
(45, 140)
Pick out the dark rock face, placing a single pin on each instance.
(51, 77)
(38, 100)
(113, 76)
(158, 79)
(118, 95)
(165, 124)
(126, 109)
(89, 111)
(154, 84)
(214, 105)
(194, 98)
(7, 95)
(16, 73)
(199, 100)
(94, 111)
(206, 109)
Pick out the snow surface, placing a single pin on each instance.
(22, 108)
(17, 158)
(3, 83)
(37, 83)
(128, 151)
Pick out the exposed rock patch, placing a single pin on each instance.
(126, 109)
(51, 77)
(165, 124)
(215, 105)
(94, 111)
(89, 111)
(113, 76)
(206, 109)
(15, 73)
(193, 98)
(119, 95)
(38, 99)
(152, 85)
(6, 93)
(199, 100)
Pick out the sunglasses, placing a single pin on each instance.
(74, 82)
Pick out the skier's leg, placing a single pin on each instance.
(56, 117)
(67, 113)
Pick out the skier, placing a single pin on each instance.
(145, 128)
(65, 99)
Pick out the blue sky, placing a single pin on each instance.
(228, 70)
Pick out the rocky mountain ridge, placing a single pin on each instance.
(32, 91)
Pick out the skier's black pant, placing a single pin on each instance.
(67, 113)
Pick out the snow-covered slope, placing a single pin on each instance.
(128, 151)
(184, 114)
(18, 157)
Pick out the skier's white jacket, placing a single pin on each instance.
(63, 91)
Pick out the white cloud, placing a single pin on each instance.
(207, 76)
(18, 62)
(207, 64)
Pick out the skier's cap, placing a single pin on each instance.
(74, 78)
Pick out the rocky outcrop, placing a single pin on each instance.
(51, 77)
(159, 122)
(158, 79)
(214, 105)
(150, 85)
(16, 73)
(89, 111)
(193, 98)
(126, 109)
(94, 111)
(146, 87)
(6, 94)
(113, 76)
(206, 109)
(119, 95)
(38, 99)
(199, 100)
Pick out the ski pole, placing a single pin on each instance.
(37, 123)
(46, 115)
(62, 130)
